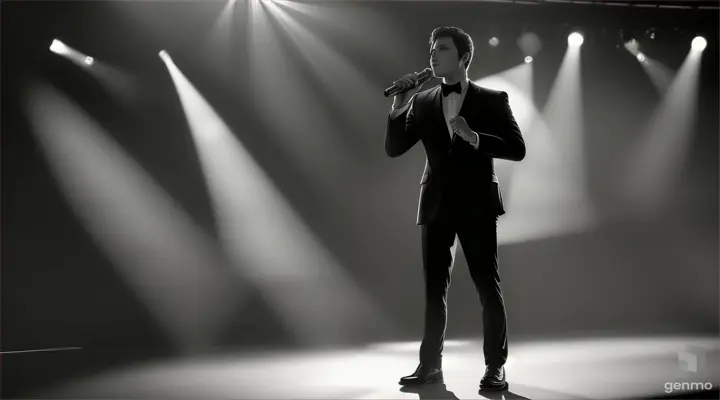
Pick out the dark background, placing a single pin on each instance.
(627, 275)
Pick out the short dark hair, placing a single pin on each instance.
(462, 41)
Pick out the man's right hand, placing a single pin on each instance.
(406, 81)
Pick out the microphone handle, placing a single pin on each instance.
(423, 76)
(395, 90)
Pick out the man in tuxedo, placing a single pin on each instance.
(463, 127)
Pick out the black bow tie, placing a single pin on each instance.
(447, 89)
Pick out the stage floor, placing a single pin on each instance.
(601, 368)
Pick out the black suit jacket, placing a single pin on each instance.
(454, 165)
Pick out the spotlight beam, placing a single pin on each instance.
(157, 249)
(271, 246)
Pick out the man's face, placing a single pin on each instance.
(444, 57)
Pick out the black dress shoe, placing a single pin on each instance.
(494, 379)
(424, 374)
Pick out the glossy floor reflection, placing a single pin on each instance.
(563, 369)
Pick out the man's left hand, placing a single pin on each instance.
(461, 128)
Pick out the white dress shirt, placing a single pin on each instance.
(451, 108)
(452, 105)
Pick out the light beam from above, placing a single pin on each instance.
(271, 246)
(284, 103)
(158, 250)
(656, 158)
(547, 194)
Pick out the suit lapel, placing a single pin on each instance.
(468, 102)
(439, 118)
(437, 102)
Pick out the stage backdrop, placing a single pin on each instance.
(584, 249)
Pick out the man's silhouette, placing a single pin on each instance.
(463, 127)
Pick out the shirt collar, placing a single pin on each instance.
(464, 85)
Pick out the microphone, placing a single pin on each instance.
(422, 77)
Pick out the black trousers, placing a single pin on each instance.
(477, 232)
